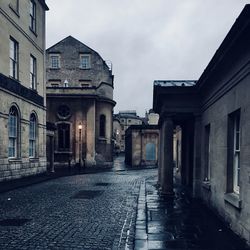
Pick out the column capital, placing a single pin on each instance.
(165, 116)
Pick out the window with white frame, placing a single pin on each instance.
(54, 61)
(32, 16)
(84, 61)
(33, 74)
(207, 153)
(236, 161)
(13, 132)
(32, 135)
(233, 164)
(13, 58)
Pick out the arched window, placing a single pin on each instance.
(32, 135)
(13, 124)
(63, 136)
(150, 152)
(102, 125)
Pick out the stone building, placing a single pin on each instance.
(142, 142)
(80, 103)
(213, 115)
(126, 119)
(22, 88)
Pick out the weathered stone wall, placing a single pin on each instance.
(88, 94)
(228, 91)
(17, 27)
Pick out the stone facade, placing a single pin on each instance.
(142, 143)
(22, 88)
(80, 103)
(126, 119)
(213, 115)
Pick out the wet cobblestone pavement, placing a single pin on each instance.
(117, 209)
(91, 211)
(179, 223)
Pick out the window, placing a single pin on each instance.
(32, 135)
(63, 112)
(63, 136)
(150, 152)
(102, 125)
(236, 164)
(14, 5)
(233, 174)
(13, 58)
(13, 132)
(32, 16)
(207, 153)
(55, 61)
(33, 70)
(85, 61)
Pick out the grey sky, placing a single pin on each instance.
(146, 40)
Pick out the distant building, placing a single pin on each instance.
(80, 103)
(142, 144)
(22, 88)
(213, 119)
(151, 118)
(125, 119)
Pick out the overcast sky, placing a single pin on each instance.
(145, 40)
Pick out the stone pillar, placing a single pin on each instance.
(167, 159)
(160, 156)
(90, 154)
(52, 150)
(197, 157)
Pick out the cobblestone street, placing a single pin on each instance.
(90, 211)
(118, 209)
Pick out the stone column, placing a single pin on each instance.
(160, 156)
(167, 156)
(90, 140)
(52, 146)
(197, 157)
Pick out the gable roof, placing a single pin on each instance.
(72, 40)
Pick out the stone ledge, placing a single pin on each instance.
(233, 199)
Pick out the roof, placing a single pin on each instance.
(239, 30)
(174, 83)
(44, 4)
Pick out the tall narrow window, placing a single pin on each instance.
(33, 70)
(207, 153)
(84, 61)
(54, 61)
(32, 136)
(13, 132)
(102, 125)
(64, 137)
(236, 163)
(233, 171)
(32, 16)
(13, 58)
(14, 5)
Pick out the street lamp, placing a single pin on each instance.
(80, 144)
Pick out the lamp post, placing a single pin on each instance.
(80, 144)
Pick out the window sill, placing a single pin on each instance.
(14, 160)
(102, 139)
(84, 68)
(33, 159)
(206, 185)
(233, 199)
